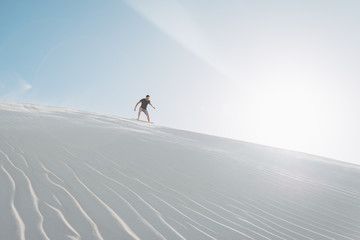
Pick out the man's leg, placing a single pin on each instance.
(147, 115)
(139, 114)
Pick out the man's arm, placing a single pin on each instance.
(136, 105)
(152, 106)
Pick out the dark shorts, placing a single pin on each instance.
(144, 110)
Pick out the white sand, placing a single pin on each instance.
(75, 175)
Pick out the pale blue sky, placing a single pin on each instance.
(280, 73)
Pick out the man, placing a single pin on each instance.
(144, 102)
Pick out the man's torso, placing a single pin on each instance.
(144, 103)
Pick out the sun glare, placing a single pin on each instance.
(286, 114)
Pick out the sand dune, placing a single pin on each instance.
(68, 174)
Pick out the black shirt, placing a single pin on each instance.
(144, 103)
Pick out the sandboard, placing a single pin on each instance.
(142, 121)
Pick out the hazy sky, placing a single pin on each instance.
(280, 73)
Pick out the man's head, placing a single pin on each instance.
(147, 97)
